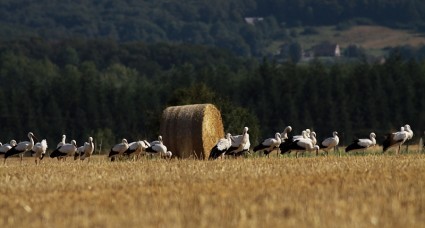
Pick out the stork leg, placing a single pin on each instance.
(337, 149)
(22, 157)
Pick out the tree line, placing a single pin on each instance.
(219, 23)
(111, 90)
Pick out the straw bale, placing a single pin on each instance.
(191, 130)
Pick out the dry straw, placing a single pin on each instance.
(191, 130)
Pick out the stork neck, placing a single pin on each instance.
(373, 140)
(31, 141)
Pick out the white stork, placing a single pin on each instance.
(79, 152)
(168, 154)
(221, 147)
(409, 135)
(270, 144)
(298, 144)
(147, 143)
(362, 144)
(61, 143)
(313, 138)
(409, 130)
(284, 146)
(331, 142)
(240, 144)
(6, 147)
(308, 132)
(304, 135)
(156, 141)
(285, 132)
(21, 147)
(157, 148)
(136, 148)
(40, 150)
(88, 149)
(66, 150)
(85, 151)
(118, 149)
(395, 139)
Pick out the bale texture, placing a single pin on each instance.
(191, 130)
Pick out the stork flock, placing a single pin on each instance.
(282, 143)
(231, 145)
(156, 147)
(64, 150)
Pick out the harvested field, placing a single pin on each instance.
(351, 191)
(372, 38)
(380, 37)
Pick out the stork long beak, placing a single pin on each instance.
(35, 138)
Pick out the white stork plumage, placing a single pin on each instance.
(79, 152)
(409, 131)
(409, 135)
(313, 138)
(168, 154)
(61, 143)
(304, 135)
(6, 147)
(240, 144)
(156, 141)
(362, 144)
(88, 149)
(308, 133)
(136, 148)
(270, 144)
(21, 147)
(395, 139)
(39, 149)
(85, 151)
(329, 143)
(299, 144)
(284, 134)
(66, 150)
(157, 148)
(118, 149)
(147, 143)
(221, 147)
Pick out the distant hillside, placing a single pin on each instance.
(247, 27)
(374, 40)
(370, 37)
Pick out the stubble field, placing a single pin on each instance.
(349, 191)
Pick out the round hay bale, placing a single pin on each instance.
(191, 130)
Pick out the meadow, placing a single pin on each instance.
(326, 191)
